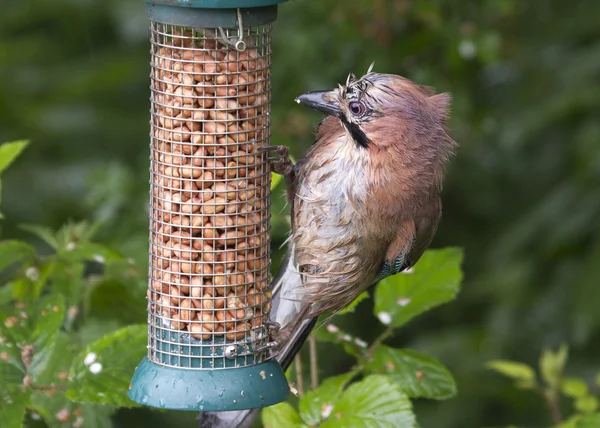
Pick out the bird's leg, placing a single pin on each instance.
(283, 165)
(280, 336)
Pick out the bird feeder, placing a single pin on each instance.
(208, 287)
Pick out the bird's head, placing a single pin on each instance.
(386, 111)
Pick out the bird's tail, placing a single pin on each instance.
(286, 286)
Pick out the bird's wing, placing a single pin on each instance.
(425, 229)
(412, 240)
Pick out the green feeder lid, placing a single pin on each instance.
(213, 13)
(218, 4)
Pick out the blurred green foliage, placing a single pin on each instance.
(522, 196)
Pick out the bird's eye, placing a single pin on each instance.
(357, 108)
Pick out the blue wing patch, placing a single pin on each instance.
(391, 268)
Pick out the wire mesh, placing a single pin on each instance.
(209, 196)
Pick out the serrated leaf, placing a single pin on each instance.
(59, 412)
(44, 233)
(435, 280)
(374, 402)
(10, 151)
(315, 402)
(586, 404)
(10, 376)
(90, 251)
(552, 365)
(14, 251)
(281, 415)
(352, 306)
(573, 387)
(12, 405)
(417, 375)
(512, 369)
(105, 378)
(331, 333)
(53, 364)
(31, 330)
(48, 321)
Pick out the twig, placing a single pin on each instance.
(314, 366)
(552, 406)
(299, 381)
(383, 336)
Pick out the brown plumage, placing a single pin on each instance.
(367, 191)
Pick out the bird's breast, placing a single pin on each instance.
(334, 244)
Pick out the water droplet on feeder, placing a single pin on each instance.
(234, 401)
(242, 393)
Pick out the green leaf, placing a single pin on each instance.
(45, 333)
(14, 251)
(569, 423)
(589, 421)
(598, 379)
(354, 304)
(512, 369)
(89, 251)
(13, 405)
(49, 320)
(552, 365)
(10, 375)
(586, 404)
(375, 402)
(434, 280)
(331, 333)
(30, 330)
(44, 233)
(275, 180)
(282, 415)
(101, 374)
(10, 151)
(318, 400)
(573, 387)
(417, 375)
(100, 302)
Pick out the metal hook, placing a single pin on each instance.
(239, 44)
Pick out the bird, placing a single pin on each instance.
(365, 202)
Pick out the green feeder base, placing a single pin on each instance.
(238, 388)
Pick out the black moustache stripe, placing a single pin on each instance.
(357, 134)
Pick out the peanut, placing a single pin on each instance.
(209, 214)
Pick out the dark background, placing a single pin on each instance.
(522, 196)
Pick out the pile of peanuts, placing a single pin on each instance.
(209, 203)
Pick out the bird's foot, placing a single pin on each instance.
(269, 346)
(280, 162)
(279, 337)
(273, 327)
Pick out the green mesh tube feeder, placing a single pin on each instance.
(208, 288)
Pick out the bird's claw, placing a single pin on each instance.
(281, 162)
(269, 346)
(273, 327)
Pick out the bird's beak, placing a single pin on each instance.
(325, 101)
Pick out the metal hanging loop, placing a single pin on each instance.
(238, 44)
